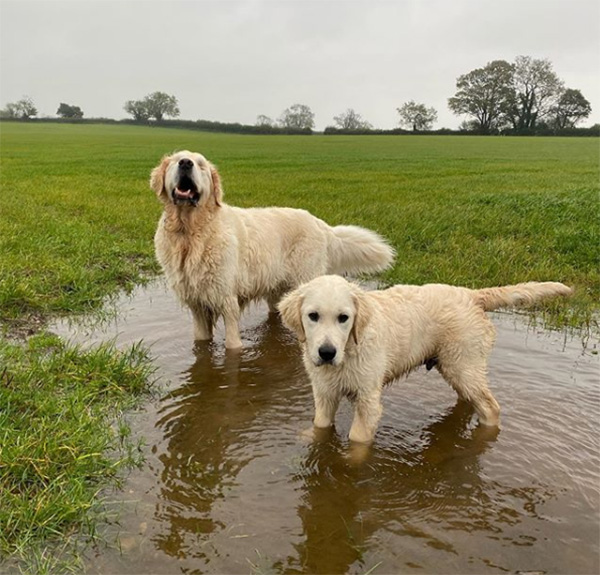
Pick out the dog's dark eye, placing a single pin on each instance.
(313, 316)
(342, 318)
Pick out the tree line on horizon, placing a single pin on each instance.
(522, 97)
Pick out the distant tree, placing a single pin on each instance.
(298, 116)
(156, 105)
(67, 111)
(26, 107)
(160, 104)
(262, 120)
(469, 126)
(23, 109)
(138, 109)
(417, 116)
(570, 109)
(537, 89)
(351, 120)
(10, 111)
(487, 95)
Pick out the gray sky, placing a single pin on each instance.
(232, 60)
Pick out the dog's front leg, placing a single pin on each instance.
(231, 317)
(367, 411)
(326, 404)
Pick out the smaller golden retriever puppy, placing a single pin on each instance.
(218, 258)
(356, 341)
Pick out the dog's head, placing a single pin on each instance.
(186, 179)
(327, 314)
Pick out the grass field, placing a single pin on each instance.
(78, 217)
(77, 220)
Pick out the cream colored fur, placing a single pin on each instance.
(218, 258)
(381, 335)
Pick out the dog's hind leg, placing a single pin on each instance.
(463, 364)
(469, 380)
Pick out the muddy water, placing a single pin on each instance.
(233, 483)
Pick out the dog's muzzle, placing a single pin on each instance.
(186, 191)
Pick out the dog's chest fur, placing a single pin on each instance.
(191, 255)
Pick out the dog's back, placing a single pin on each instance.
(280, 248)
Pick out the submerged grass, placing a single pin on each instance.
(76, 225)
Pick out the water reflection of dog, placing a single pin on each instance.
(212, 425)
(345, 505)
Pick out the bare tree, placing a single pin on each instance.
(351, 120)
(417, 116)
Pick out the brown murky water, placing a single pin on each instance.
(233, 484)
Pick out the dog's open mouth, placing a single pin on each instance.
(186, 192)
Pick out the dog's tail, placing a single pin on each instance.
(354, 250)
(520, 294)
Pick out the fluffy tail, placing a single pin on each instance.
(521, 294)
(357, 250)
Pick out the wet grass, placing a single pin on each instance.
(76, 225)
(78, 217)
(62, 438)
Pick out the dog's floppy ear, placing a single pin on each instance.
(157, 176)
(216, 184)
(291, 315)
(362, 314)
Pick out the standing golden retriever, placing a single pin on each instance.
(218, 258)
(355, 341)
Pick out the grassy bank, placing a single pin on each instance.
(62, 439)
(64, 246)
(77, 221)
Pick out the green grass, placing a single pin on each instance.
(77, 221)
(78, 217)
(62, 437)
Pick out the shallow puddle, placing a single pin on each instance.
(233, 483)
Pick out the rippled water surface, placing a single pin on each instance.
(235, 483)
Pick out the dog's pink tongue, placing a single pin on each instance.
(183, 193)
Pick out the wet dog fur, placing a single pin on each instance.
(356, 341)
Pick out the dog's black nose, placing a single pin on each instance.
(185, 164)
(327, 353)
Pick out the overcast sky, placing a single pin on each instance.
(232, 60)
